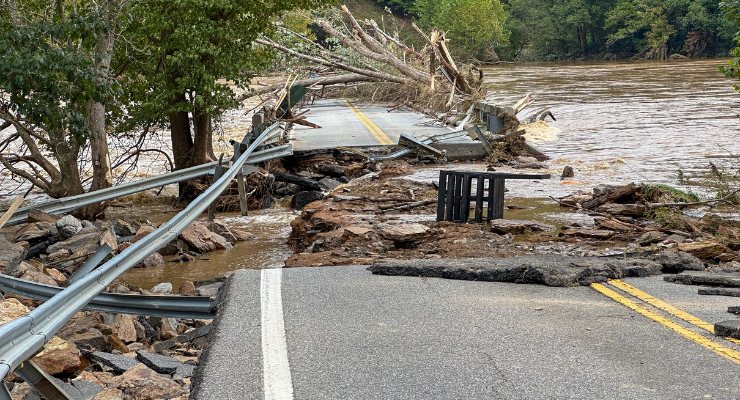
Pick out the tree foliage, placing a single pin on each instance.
(474, 27)
(732, 69)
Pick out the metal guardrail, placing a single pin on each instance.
(22, 338)
(185, 307)
(67, 204)
(430, 140)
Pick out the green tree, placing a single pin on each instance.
(182, 72)
(732, 69)
(474, 27)
(54, 87)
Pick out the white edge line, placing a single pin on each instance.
(277, 381)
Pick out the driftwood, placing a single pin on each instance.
(407, 206)
(611, 196)
(433, 79)
(296, 180)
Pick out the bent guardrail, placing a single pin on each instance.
(22, 338)
(185, 307)
(67, 204)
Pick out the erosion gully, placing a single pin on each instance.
(617, 122)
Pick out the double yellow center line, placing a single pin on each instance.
(707, 342)
(379, 135)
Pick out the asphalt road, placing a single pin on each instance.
(344, 124)
(352, 335)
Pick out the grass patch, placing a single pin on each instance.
(661, 193)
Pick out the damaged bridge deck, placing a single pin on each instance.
(346, 124)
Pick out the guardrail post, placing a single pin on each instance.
(41, 382)
(241, 186)
(212, 208)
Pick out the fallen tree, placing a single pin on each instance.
(426, 79)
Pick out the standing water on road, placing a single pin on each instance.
(629, 121)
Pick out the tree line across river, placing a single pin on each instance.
(549, 30)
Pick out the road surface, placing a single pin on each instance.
(346, 124)
(343, 333)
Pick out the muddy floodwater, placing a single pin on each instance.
(271, 228)
(616, 123)
(628, 121)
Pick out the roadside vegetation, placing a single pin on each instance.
(580, 29)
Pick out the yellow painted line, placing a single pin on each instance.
(662, 305)
(726, 352)
(378, 133)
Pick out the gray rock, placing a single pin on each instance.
(734, 310)
(209, 290)
(119, 364)
(90, 339)
(122, 228)
(184, 371)
(517, 226)
(11, 254)
(568, 172)
(184, 338)
(68, 226)
(162, 364)
(162, 288)
(550, 270)
(729, 328)
(302, 199)
(329, 184)
(675, 262)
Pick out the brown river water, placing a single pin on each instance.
(617, 123)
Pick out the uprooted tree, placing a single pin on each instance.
(425, 79)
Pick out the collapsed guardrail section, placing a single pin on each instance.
(24, 337)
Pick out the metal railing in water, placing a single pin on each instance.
(24, 337)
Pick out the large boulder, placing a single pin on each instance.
(59, 356)
(143, 383)
(201, 239)
(516, 226)
(68, 226)
(11, 254)
(674, 262)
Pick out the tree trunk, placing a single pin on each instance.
(202, 143)
(582, 39)
(67, 155)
